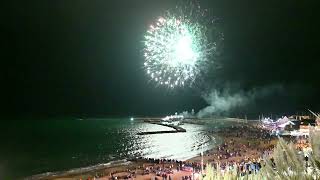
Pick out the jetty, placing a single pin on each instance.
(177, 129)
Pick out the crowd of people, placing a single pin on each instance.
(160, 168)
(165, 167)
(243, 150)
(242, 143)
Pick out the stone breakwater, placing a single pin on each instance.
(177, 129)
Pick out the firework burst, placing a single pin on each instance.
(177, 47)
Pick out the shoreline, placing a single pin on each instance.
(81, 170)
(120, 169)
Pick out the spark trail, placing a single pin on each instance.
(177, 47)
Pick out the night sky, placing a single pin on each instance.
(84, 58)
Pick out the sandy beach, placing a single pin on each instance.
(242, 143)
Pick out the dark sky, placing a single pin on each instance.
(83, 58)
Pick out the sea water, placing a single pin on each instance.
(38, 146)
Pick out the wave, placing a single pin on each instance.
(76, 171)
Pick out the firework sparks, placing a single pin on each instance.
(176, 48)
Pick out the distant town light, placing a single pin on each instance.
(131, 119)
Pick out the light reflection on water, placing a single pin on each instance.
(179, 146)
(56, 145)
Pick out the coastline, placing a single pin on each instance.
(82, 170)
(123, 167)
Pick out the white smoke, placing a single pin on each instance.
(222, 102)
(225, 101)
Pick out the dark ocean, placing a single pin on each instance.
(38, 146)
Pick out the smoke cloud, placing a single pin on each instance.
(223, 102)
